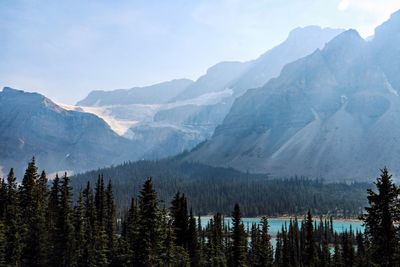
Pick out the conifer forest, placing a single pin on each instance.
(41, 224)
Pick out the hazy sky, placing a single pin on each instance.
(65, 49)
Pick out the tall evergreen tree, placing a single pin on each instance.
(100, 234)
(309, 256)
(89, 254)
(192, 241)
(149, 227)
(53, 223)
(383, 211)
(239, 255)
(31, 228)
(180, 222)
(132, 233)
(66, 224)
(266, 251)
(79, 230)
(110, 221)
(12, 222)
(2, 244)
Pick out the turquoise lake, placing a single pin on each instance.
(276, 224)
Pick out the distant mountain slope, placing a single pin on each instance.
(191, 116)
(334, 113)
(154, 94)
(33, 125)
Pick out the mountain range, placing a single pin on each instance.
(169, 121)
(324, 103)
(332, 114)
(60, 139)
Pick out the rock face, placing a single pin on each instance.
(192, 115)
(333, 114)
(154, 94)
(33, 125)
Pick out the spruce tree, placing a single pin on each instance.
(2, 244)
(66, 224)
(110, 221)
(79, 230)
(215, 245)
(266, 251)
(309, 259)
(132, 232)
(239, 255)
(32, 248)
(100, 237)
(89, 254)
(53, 223)
(383, 211)
(12, 222)
(192, 241)
(150, 238)
(179, 215)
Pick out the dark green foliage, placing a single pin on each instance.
(150, 223)
(66, 224)
(266, 252)
(110, 221)
(193, 241)
(239, 239)
(383, 211)
(32, 218)
(211, 190)
(309, 249)
(45, 227)
(2, 244)
(179, 214)
(12, 222)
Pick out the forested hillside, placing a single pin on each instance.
(211, 189)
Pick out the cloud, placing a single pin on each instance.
(343, 5)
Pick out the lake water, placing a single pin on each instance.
(276, 224)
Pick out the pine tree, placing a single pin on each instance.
(89, 254)
(53, 222)
(309, 259)
(239, 257)
(266, 251)
(132, 232)
(347, 249)
(337, 260)
(2, 244)
(149, 227)
(79, 230)
(278, 250)
(3, 197)
(383, 211)
(110, 221)
(254, 251)
(66, 224)
(180, 222)
(361, 255)
(100, 234)
(192, 241)
(31, 228)
(12, 222)
(215, 245)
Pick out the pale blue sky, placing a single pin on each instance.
(65, 49)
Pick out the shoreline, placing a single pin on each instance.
(276, 218)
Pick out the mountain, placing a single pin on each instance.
(332, 114)
(154, 94)
(33, 125)
(191, 116)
